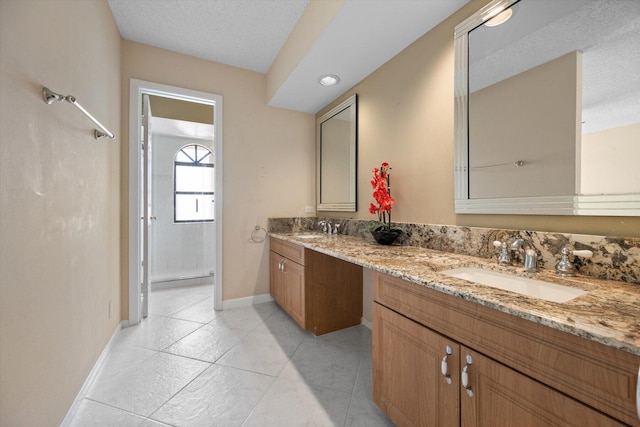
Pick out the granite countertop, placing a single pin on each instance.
(609, 313)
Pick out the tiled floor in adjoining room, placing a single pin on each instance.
(188, 365)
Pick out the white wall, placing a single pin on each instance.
(178, 250)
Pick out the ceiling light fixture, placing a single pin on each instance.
(328, 80)
(500, 18)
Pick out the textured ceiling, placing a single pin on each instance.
(249, 34)
(243, 33)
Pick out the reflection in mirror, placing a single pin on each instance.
(547, 111)
(337, 136)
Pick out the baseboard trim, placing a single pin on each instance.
(88, 383)
(183, 282)
(246, 301)
(367, 323)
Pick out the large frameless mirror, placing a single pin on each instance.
(547, 112)
(337, 151)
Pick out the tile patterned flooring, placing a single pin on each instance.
(188, 365)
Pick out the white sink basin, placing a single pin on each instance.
(520, 285)
(309, 236)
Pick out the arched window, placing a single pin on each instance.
(193, 184)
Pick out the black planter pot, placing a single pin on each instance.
(385, 237)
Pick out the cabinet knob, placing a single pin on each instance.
(444, 366)
(465, 376)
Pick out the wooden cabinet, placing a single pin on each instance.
(408, 384)
(276, 278)
(287, 279)
(519, 372)
(505, 397)
(321, 293)
(294, 291)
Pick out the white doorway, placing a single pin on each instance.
(141, 218)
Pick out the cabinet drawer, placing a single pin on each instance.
(600, 376)
(288, 250)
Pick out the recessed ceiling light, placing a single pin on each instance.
(328, 80)
(500, 18)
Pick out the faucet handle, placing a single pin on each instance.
(564, 267)
(504, 258)
(583, 253)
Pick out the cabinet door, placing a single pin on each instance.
(276, 279)
(294, 292)
(407, 380)
(504, 397)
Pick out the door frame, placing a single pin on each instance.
(136, 89)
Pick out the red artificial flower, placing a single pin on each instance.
(380, 185)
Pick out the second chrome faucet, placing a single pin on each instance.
(530, 255)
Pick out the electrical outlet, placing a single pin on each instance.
(309, 209)
(110, 309)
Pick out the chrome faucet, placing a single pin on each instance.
(530, 255)
(327, 228)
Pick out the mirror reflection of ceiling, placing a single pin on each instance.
(606, 31)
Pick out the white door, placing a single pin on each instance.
(148, 217)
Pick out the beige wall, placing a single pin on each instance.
(268, 158)
(406, 118)
(60, 203)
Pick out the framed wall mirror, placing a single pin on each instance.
(337, 157)
(547, 117)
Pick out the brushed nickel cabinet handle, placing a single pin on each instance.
(465, 376)
(444, 365)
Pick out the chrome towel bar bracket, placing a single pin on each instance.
(50, 97)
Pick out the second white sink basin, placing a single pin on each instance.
(530, 287)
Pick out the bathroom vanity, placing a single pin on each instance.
(321, 293)
(441, 360)
(447, 351)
